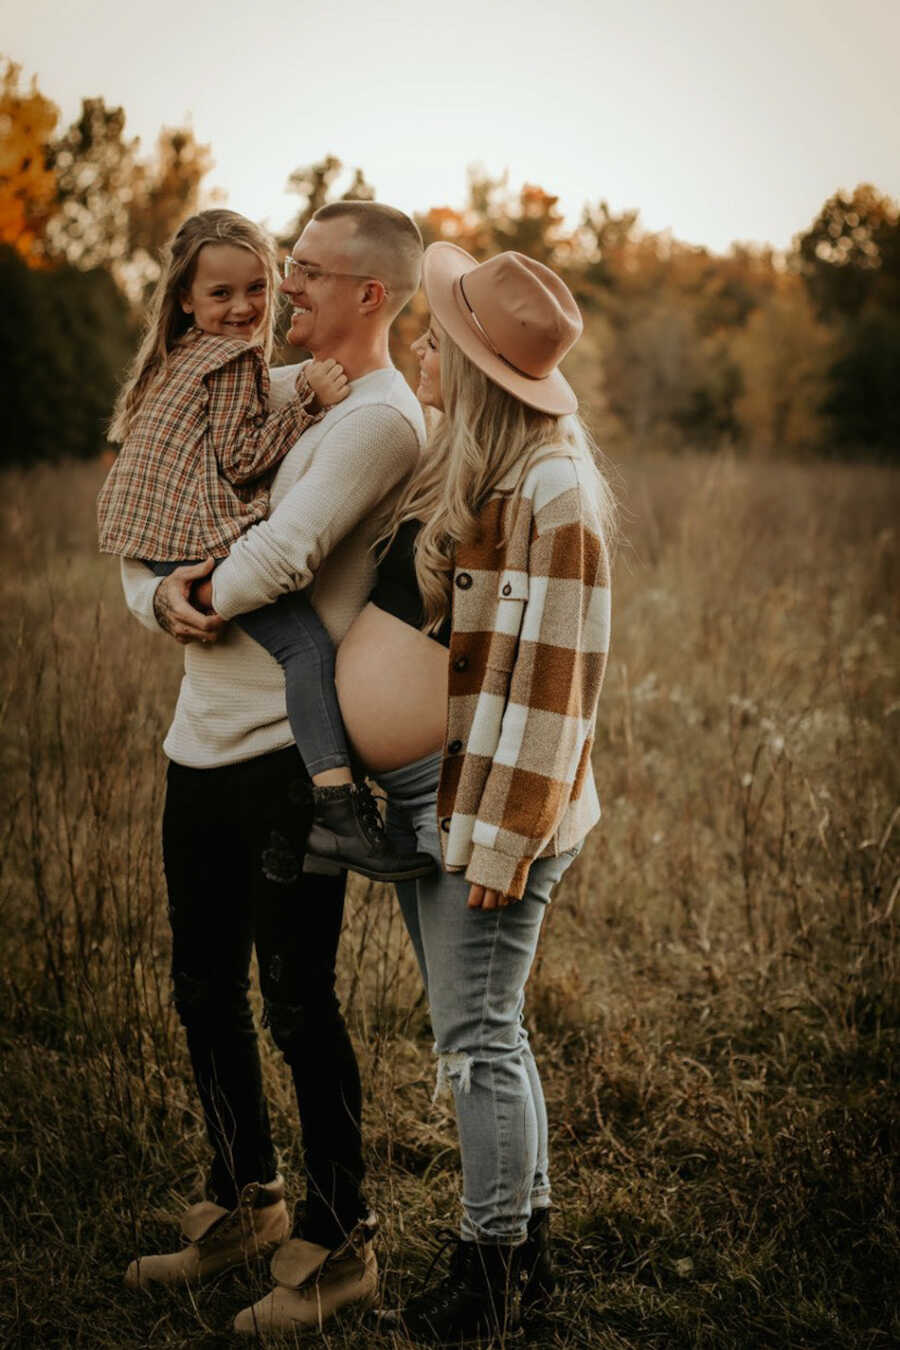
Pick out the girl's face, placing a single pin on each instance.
(428, 353)
(230, 292)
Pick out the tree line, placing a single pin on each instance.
(774, 354)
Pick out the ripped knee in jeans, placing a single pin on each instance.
(454, 1072)
(286, 1021)
(199, 1000)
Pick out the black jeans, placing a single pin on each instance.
(215, 825)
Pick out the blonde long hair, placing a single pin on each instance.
(166, 321)
(483, 433)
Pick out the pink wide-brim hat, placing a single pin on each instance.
(511, 316)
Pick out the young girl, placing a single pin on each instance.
(199, 445)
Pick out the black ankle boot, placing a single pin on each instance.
(537, 1273)
(475, 1300)
(347, 829)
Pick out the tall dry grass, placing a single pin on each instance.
(715, 1002)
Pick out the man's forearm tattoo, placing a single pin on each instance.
(162, 608)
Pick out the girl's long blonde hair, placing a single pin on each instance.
(482, 434)
(167, 322)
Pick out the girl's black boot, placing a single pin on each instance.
(347, 830)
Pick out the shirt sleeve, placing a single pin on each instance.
(245, 445)
(139, 585)
(355, 465)
(547, 722)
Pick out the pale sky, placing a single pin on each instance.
(718, 120)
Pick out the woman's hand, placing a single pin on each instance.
(482, 897)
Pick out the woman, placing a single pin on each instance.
(469, 687)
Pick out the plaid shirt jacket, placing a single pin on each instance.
(193, 474)
(530, 632)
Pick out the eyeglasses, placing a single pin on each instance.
(308, 272)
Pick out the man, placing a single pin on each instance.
(234, 772)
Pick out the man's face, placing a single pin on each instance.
(325, 306)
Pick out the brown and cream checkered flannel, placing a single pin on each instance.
(194, 473)
(530, 632)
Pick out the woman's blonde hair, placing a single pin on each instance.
(167, 322)
(482, 434)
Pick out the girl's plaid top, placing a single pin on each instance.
(194, 472)
(530, 633)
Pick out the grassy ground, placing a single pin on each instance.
(715, 1003)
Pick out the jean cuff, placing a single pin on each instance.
(473, 1232)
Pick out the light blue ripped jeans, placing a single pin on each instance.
(474, 965)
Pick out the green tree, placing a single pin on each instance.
(850, 255)
(96, 173)
(864, 387)
(65, 337)
(850, 261)
(783, 356)
(113, 209)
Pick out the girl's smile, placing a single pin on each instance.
(229, 295)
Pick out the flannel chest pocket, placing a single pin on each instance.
(512, 593)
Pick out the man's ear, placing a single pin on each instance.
(373, 296)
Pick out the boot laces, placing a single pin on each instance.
(369, 815)
(441, 1295)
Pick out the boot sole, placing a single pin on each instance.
(372, 875)
(192, 1281)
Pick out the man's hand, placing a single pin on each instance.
(480, 897)
(175, 613)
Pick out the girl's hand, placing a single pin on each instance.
(201, 595)
(481, 897)
(327, 381)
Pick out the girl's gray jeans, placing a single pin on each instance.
(474, 965)
(291, 631)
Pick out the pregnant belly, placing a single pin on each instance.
(392, 685)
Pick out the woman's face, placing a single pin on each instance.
(428, 353)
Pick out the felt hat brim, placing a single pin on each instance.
(444, 264)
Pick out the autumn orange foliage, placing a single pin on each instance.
(27, 185)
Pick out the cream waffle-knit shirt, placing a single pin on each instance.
(326, 502)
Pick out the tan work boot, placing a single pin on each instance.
(219, 1238)
(312, 1283)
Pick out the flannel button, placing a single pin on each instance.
(454, 747)
(461, 663)
(445, 824)
(259, 420)
(464, 581)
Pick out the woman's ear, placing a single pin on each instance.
(184, 301)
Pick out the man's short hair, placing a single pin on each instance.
(387, 245)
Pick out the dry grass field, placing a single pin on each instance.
(716, 998)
